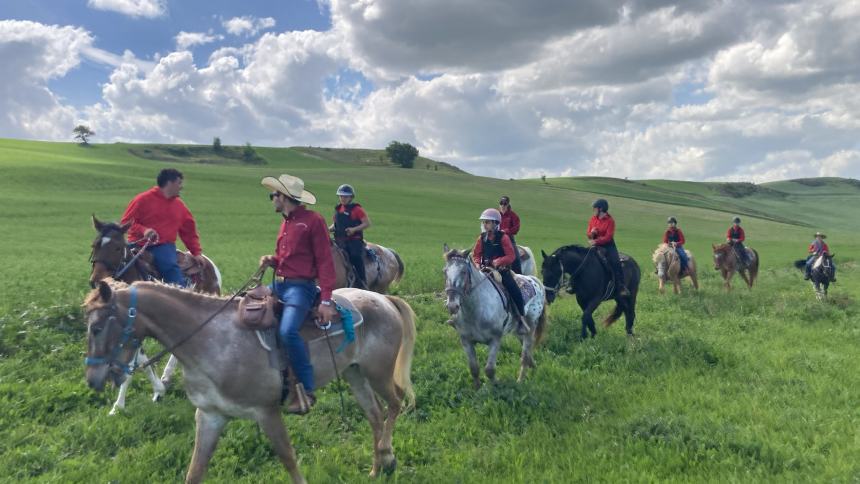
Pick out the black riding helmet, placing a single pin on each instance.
(672, 220)
(601, 204)
(345, 191)
(736, 220)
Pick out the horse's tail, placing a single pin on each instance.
(400, 268)
(403, 364)
(540, 331)
(754, 268)
(800, 263)
(616, 313)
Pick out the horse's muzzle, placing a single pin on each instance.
(96, 376)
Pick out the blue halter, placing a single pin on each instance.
(127, 335)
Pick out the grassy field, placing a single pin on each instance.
(757, 385)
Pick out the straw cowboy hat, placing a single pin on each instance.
(821, 234)
(290, 186)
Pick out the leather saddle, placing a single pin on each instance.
(187, 264)
(259, 309)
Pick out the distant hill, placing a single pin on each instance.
(371, 158)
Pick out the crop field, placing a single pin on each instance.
(746, 386)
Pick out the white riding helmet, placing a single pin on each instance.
(491, 214)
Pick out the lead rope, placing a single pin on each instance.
(337, 374)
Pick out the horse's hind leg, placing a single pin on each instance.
(746, 279)
(367, 401)
(630, 316)
(169, 369)
(526, 358)
(469, 348)
(695, 280)
(209, 428)
(490, 369)
(385, 387)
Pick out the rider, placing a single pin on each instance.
(816, 248)
(302, 259)
(601, 232)
(735, 237)
(674, 237)
(511, 226)
(158, 215)
(494, 249)
(350, 221)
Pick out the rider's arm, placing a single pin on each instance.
(666, 237)
(132, 214)
(188, 233)
(610, 232)
(509, 256)
(477, 252)
(681, 240)
(322, 257)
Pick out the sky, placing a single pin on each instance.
(731, 90)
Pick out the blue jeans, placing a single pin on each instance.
(297, 299)
(682, 254)
(164, 256)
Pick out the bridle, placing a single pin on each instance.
(127, 337)
(467, 286)
(561, 280)
(125, 266)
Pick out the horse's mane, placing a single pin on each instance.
(659, 251)
(574, 247)
(114, 284)
(183, 291)
(722, 247)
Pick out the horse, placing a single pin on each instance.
(821, 274)
(668, 265)
(382, 269)
(726, 261)
(481, 315)
(592, 282)
(112, 257)
(228, 372)
(527, 261)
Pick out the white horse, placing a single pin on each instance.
(527, 261)
(479, 315)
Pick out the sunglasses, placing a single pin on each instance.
(273, 195)
(503, 202)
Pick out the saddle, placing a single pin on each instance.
(191, 269)
(526, 289)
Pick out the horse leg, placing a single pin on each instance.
(746, 279)
(273, 426)
(661, 285)
(119, 404)
(629, 316)
(526, 359)
(158, 388)
(384, 386)
(695, 280)
(169, 369)
(676, 284)
(490, 369)
(209, 428)
(367, 401)
(588, 318)
(469, 348)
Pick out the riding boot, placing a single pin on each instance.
(300, 401)
(523, 327)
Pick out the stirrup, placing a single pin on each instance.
(300, 400)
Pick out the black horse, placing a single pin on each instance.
(821, 275)
(592, 282)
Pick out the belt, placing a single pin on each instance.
(281, 279)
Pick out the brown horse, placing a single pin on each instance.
(112, 255)
(227, 371)
(381, 272)
(726, 261)
(668, 266)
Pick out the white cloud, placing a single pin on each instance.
(184, 40)
(132, 8)
(248, 25)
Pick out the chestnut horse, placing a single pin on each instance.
(726, 261)
(112, 256)
(228, 373)
(381, 270)
(668, 266)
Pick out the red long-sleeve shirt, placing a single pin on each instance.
(677, 232)
(815, 250)
(506, 260)
(167, 216)
(303, 250)
(741, 236)
(510, 222)
(601, 230)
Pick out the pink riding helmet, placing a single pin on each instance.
(491, 214)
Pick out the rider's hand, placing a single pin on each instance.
(267, 261)
(151, 235)
(349, 231)
(200, 260)
(590, 241)
(326, 312)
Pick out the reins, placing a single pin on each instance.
(573, 275)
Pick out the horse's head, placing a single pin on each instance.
(109, 249)
(660, 259)
(109, 351)
(458, 279)
(552, 272)
(721, 253)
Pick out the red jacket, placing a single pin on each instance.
(303, 252)
(677, 232)
(740, 230)
(510, 222)
(169, 217)
(509, 257)
(601, 230)
(815, 250)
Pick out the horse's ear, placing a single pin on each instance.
(97, 224)
(466, 253)
(105, 291)
(713, 246)
(124, 227)
(445, 248)
(543, 254)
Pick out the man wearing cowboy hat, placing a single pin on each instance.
(302, 258)
(816, 248)
(159, 215)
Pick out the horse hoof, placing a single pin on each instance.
(113, 411)
(157, 397)
(389, 465)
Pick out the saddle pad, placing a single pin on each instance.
(311, 332)
(526, 288)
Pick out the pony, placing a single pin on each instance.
(527, 261)
(480, 313)
(592, 281)
(726, 261)
(382, 269)
(112, 256)
(821, 274)
(228, 372)
(668, 266)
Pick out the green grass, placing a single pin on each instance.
(738, 387)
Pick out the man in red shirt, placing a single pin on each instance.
(674, 237)
(158, 215)
(735, 237)
(601, 233)
(511, 226)
(816, 248)
(350, 221)
(494, 249)
(302, 258)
